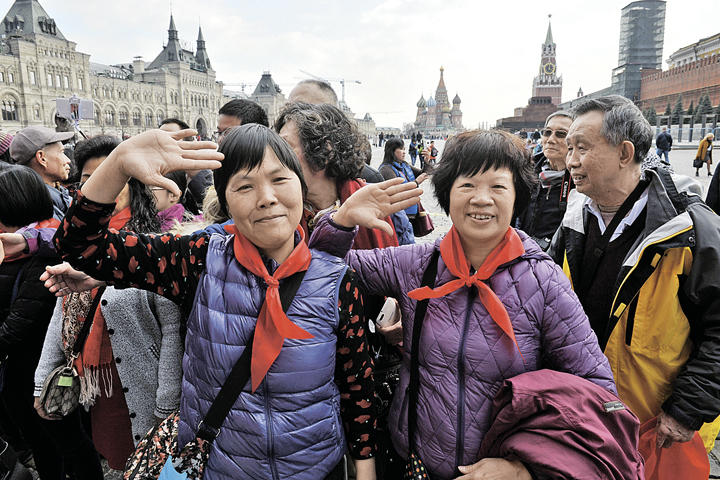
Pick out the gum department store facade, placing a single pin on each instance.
(38, 64)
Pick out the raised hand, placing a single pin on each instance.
(148, 157)
(63, 279)
(155, 153)
(371, 204)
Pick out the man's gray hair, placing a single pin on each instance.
(559, 113)
(622, 121)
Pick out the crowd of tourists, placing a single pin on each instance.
(261, 307)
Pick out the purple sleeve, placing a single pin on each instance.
(40, 242)
(567, 338)
(331, 238)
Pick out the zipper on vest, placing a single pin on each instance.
(460, 440)
(268, 426)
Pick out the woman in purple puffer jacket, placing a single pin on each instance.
(499, 306)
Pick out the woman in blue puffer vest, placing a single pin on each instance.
(311, 385)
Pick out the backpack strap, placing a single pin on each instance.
(428, 280)
(209, 427)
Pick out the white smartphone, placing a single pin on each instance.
(389, 315)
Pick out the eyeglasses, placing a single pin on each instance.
(559, 134)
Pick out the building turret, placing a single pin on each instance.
(201, 55)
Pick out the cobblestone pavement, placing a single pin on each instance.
(681, 161)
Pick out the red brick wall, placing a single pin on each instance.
(692, 80)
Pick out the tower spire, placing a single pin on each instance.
(549, 37)
(172, 30)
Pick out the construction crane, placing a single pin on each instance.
(245, 84)
(328, 80)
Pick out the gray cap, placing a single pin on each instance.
(29, 140)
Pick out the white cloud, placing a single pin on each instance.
(490, 50)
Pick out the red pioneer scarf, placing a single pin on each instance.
(120, 219)
(273, 326)
(453, 255)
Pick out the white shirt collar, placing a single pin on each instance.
(591, 206)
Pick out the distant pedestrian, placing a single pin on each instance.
(381, 137)
(704, 153)
(412, 150)
(663, 142)
(536, 136)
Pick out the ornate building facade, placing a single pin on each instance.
(546, 92)
(435, 115)
(38, 64)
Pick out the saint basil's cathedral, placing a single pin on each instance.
(435, 116)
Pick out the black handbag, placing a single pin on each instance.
(697, 163)
(61, 389)
(415, 469)
(160, 445)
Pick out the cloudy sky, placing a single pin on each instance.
(490, 49)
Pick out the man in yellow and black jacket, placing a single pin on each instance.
(643, 254)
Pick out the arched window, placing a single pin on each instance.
(136, 119)
(123, 118)
(9, 110)
(109, 117)
(148, 119)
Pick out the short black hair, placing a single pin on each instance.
(25, 196)
(100, 146)
(390, 146)
(244, 149)
(330, 140)
(246, 111)
(176, 121)
(476, 151)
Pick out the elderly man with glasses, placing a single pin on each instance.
(549, 198)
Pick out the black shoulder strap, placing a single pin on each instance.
(85, 330)
(588, 275)
(428, 280)
(209, 428)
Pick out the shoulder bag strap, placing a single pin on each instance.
(588, 276)
(428, 280)
(209, 428)
(85, 330)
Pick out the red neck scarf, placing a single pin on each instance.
(120, 219)
(367, 238)
(453, 255)
(273, 326)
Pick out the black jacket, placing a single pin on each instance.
(664, 141)
(544, 213)
(23, 323)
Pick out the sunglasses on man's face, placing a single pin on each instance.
(559, 134)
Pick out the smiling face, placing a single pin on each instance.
(593, 163)
(266, 205)
(554, 147)
(481, 208)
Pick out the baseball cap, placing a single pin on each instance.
(29, 140)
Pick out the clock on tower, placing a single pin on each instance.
(549, 68)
